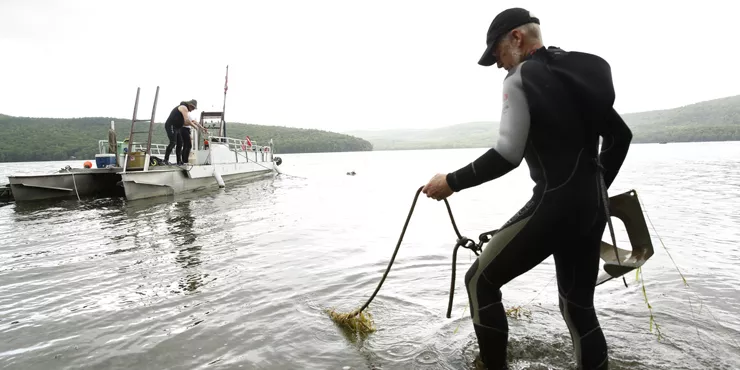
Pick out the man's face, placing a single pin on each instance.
(509, 50)
(190, 108)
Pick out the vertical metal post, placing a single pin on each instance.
(195, 138)
(223, 111)
(151, 123)
(131, 134)
(147, 153)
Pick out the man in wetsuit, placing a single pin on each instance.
(174, 126)
(556, 104)
(186, 135)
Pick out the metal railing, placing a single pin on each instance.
(236, 144)
(157, 149)
(241, 149)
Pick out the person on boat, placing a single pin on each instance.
(185, 133)
(556, 104)
(179, 115)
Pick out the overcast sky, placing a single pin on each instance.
(342, 65)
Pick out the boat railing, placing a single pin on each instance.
(103, 147)
(242, 149)
(237, 145)
(157, 149)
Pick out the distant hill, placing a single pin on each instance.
(713, 120)
(464, 135)
(41, 139)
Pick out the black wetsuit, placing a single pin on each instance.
(172, 126)
(186, 144)
(555, 107)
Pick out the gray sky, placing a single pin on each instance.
(342, 65)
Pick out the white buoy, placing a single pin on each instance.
(219, 180)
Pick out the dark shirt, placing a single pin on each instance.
(175, 119)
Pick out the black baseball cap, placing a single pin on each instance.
(504, 22)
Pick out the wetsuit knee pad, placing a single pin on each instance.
(469, 275)
(484, 299)
(580, 320)
(485, 292)
(468, 278)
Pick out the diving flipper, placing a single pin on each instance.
(626, 207)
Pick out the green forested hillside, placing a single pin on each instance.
(41, 139)
(714, 120)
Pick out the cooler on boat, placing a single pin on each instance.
(103, 160)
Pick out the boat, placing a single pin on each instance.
(135, 170)
(223, 161)
(66, 183)
(76, 183)
(214, 160)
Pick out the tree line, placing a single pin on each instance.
(25, 139)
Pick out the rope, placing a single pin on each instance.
(398, 245)
(276, 169)
(465, 243)
(605, 201)
(663, 244)
(461, 242)
(476, 247)
(74, 183)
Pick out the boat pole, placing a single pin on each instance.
(223, 111)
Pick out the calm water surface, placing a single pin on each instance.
(239, 277)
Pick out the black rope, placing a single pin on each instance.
(468, 244)
(605, 202)
(461, 242)
(398, 245)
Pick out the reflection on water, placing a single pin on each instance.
(240, 277)
(180, 226)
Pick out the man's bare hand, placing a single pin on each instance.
(437, 188)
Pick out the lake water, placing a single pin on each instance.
(238, 278)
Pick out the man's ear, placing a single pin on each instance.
(518, 37)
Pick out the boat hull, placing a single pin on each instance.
(173, 180)
(66, 185)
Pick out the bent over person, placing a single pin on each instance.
(178, 117)
(556, 105)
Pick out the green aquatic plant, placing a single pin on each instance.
(518, 312)
(641, 279)
(360, 323)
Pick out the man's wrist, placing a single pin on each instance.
(452, 181)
